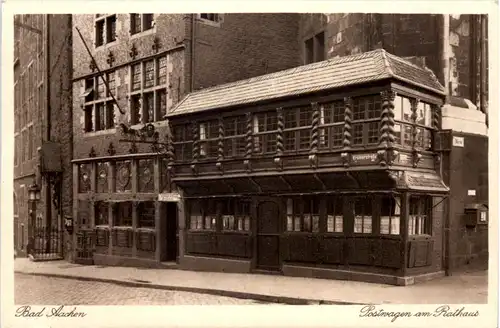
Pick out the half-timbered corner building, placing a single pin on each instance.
(326, 170)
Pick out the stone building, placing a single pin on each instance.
(455, 48)
(146, 64)
(150, 62)
(42, 57)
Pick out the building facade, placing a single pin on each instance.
(455, 48)
(42, 57)
(327, 170)
(149, 62)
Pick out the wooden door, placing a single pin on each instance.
(268, 236)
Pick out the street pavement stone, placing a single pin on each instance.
(38, 290)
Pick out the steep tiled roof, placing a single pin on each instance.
(344, 71)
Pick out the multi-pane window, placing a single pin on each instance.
(105, 29)
(335, 214)
(418, 220)
(331, 132)
(101, 213)
(404, 123)
(390, 213)
(16, 149)
(148, 94)
(209, 137)
(99, 111)
(234, 136)
(235, 214)
(183, 141)
(146, 214)
(203, 215)
(123, 214)
(140, 23)
(363, 215)
(302, 214)
(297, 132)
(366, 112)
(265, 126)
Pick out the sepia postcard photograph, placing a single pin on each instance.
(266, 163)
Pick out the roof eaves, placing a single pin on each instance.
(174, 110)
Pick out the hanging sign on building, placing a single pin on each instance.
(169, 197)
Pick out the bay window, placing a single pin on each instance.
(265, 126)
(183, 141)
(209, 139)
(404, 123)
(366, 113)
(234, 136)
(297, 131)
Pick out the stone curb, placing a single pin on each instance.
(209, 291)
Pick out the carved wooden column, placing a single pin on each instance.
(313, 157)
(196, 147)
(170, 152)
(279, 139)
(415, 152)
(391, 138)
(346, 155)
(436, 125)
(220, 146)
(386, 154)
(249, 140)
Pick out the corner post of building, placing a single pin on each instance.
(135, 218)
(158, 210)
(181, 212)
(111, 189)
(403, 230)
(93, 190)
(76, 221)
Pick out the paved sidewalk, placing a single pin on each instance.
(469, 287)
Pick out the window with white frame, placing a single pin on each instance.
(105, 29)
(98, 103)
(418, 220)
(148, 90)
(335, 214)
(209, 139)
(390, 214)
(363, 211)
(404, 123)
(141, 22)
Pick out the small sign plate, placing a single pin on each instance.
(471, 192)
(169, 197)
(458, 142)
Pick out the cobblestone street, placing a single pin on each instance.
(35, 290)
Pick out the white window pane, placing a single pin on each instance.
(358, 224)
(307, 222)
(367, 224)
(421, 113)
(330, 223)
(397, 204)
(406, 109)
(297, 223)
(395, 226)
(289, 223)
(339, 223)
(203, 134)
(247, 223)
(398, 108)
(384, 225)
(428, 115)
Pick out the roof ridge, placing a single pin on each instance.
(386, 63)
(291, 70)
